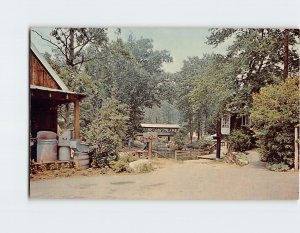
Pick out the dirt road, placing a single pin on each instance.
(191, 180)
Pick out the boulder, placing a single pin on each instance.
(141, 165)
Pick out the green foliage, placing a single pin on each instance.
(166, 113)
(211, 89)
(180, 138)
(256, 57)
(277, 167)
(70, 44)
(146, 168)
(240, 140)
(275, 114)
(202, 144)
(119, 166)
(105, 134)
(203, 91)
(128, 158)
(132, 73)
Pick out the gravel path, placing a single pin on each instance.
(199, 179)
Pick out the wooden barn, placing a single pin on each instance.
(47, 92)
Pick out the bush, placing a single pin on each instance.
(179, 139)
(146, 168)
(201, 144)
(105, 134)
(128, 158)
(119, 166)
(240, 140)
(275, 114)
(277, 167)
(103, 144)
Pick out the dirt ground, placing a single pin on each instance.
(189, 180)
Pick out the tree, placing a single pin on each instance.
(211, 91)
(275, 114)
(184, 80)
(258, 57)
(203, 91)
(132, 73)
(166, 113)
(71, 43)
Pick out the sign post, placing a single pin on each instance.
(150, 137)
(218, 137)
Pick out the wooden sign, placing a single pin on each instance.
(225, 124)
(150, 136)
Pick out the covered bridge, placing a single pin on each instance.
(161, 129)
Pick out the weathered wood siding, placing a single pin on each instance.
(39, 76)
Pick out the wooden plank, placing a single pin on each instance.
(39, 76)
(76, 120)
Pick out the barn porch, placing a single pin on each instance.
(44, 104)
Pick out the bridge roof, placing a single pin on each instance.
(160, 126)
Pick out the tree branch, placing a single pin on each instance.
(85, 60)
(43, 38)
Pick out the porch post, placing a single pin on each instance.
(76, 119)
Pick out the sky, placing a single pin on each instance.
(180, 42)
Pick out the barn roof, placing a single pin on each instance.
(161, 126)
(65, 96)
(48, 67)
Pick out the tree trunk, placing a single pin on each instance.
(191, 129)
(199, 126)
(286, 54)
(205, 122)
(71, 59)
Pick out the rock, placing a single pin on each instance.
(124, 153)
(141, 165)
(243, 162)
(237, 158)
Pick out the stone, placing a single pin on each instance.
(141, 165)
(243, 162)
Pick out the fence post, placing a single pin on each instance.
(175, 155)
(150, 150)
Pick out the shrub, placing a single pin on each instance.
(105, 134)
(277, 167)
(275, 114)
(119, 166)
(240, 140)
(201, 144)
(103, 144)
(179, 139)
(128, 158)
(122, 164)
(146, 168)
